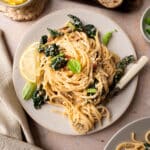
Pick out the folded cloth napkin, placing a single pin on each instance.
(13, 122)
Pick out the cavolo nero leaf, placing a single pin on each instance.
(39, 97)
(54, 33)
(76, 22)
(90, 30)
(58, 62)
(43, 39)
(121, 66)
(125, 61)
(52, 50)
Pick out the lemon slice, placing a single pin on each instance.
(27, 64)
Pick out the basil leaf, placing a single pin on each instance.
(28, 90)
(54, 33)
(91, 91)
(74, 65)
(106, 37)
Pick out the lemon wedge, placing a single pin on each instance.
(27, 64)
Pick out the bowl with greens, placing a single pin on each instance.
(145, 24)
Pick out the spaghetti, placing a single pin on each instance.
(135, 144)
(69, 90)
(75, 71)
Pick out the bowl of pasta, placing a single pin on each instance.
(64, 72)
(133, 136)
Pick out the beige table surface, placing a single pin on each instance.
(140, 106)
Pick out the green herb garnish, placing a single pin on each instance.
(74, 65)
(28, 90)
(90, 30)
(39, 97)
(107, 36)
(52, 50)
(147, 20)
(58, 62)
(147, 30)
(76, 22)
(91, 91)
(43, 39)
(41, 48)
(54, 33)
(125, 61)
(121, 66)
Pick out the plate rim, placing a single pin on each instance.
(125, 127)
(42, 20)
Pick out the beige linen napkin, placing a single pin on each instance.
(7, 143)
(13, 121)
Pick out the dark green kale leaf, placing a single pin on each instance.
(41, 48)
(58, 62)
(121, 66)
(125, 62)
(39, 97)
(43, 39)
(90, 30)
(54, 33)
(53, 50)
(76, 22)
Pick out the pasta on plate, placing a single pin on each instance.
(135, 144)
(75, 71)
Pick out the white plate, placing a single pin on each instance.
(120, 44)
(139, 126)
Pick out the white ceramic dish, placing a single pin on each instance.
(16, 6)
(139, 126)
(120, 44)
(143, 25)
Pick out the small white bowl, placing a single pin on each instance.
(16, 6)
(143, 25)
